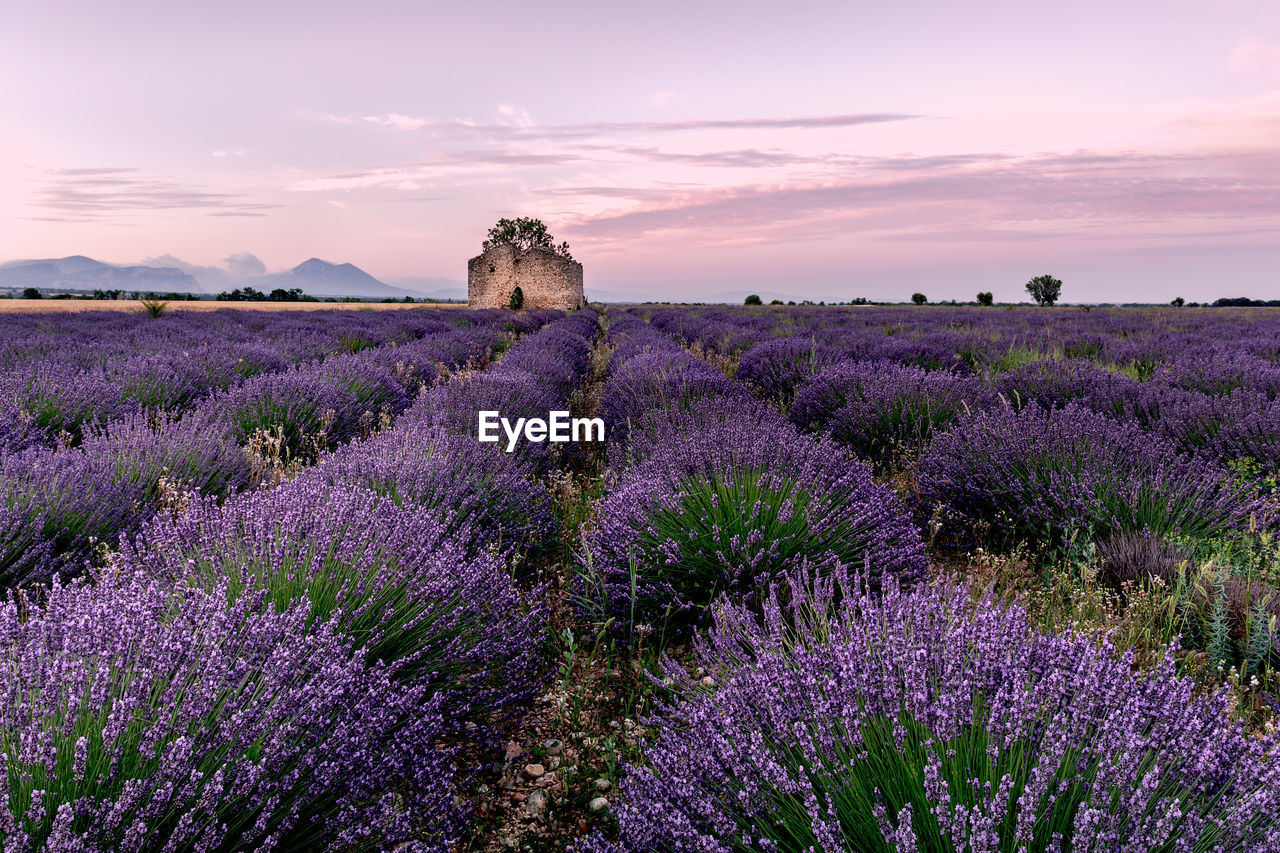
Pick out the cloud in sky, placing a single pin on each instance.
(96, 193)
(517, 124)
(1253, 54)
(244, 264)
(1083, 191)
(236, 267)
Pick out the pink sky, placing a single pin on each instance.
(1130, 147)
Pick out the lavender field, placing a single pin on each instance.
(837, 579)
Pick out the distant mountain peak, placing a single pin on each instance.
(316, 269)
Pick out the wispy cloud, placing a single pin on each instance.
(220, 154)
(520, 126)
(1001, 197)
(93, 194)
(420, 173)
(321, 117)
(1253, 54)
(514, 115)
(397, 121)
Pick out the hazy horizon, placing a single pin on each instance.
(830, 152)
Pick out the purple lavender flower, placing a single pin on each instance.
(776, 368)
(485, 497)
(139, 717)
(400, 580)
(921, 720)
(1041, 475)
(656, 380)
(885, 412)
(726, 508)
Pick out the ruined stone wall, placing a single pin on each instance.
(546, 279)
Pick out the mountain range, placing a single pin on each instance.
(315, 277)
(80, 273)
(321, 278)
(168, 274)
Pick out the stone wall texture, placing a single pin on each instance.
(546, 279)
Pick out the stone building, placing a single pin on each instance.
(546, 279)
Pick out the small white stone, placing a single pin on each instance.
(536, 804)
(598, 803)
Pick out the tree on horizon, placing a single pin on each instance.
(1045, 289)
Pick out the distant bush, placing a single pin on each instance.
(753, 300)
(986, 298)
(1045, 289)
(1245, 302)
(250, 294)
(919, 298)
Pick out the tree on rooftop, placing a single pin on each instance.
(524, 233)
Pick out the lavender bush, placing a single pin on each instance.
(486, 498)
(1043, 475)
(775, 369)
(399, 580)
(730, 506)
(923, 721)
(188, 721)
(656, 380)
(57, 507)
(885, 412)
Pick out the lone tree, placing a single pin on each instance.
(524, 234)
(1045, 289)
(32, 293)
(985, 298)
(517, 299)
(753, 300)
(919, 298)
(1178, 302)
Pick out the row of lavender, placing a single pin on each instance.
(301, 667)
(1185, 446)
(839, 708)
(1213, 351)
(62, 373)
(1058, 456)
(61, 503)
